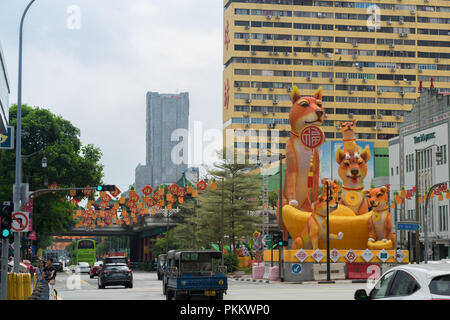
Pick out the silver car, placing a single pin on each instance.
(83, 267)
(411, 282)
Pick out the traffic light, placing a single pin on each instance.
(106, 187)
(283, 243)
(277, 237)
(6, 214)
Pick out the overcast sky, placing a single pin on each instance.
(95, 71)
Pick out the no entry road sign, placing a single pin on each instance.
(20, 221)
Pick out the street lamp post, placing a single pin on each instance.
(222, 222)
(328, 232)
(18, 183)
(280, 222)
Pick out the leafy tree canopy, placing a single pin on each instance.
(69, 164)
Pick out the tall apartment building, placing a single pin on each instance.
(368, 57)
(165, 113)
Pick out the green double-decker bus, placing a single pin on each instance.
(83, 250)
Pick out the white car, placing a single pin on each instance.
(411, 282)
(83, 267)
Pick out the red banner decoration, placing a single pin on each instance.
(87, 192)
(147, 190)
(157, 196)
(181, 192)
(131, 204)
(174, 188)
(149, 201)
(104, 196)
(116, 192)
(312, 137)
(201, 185)
(134, 198)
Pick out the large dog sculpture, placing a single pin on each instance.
(352, 171)
(305, 111)
(380, 223)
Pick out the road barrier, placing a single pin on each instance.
(258, 270)
(19, 286)
(337, 271)
(359, 270)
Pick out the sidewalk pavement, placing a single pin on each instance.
(248, 278)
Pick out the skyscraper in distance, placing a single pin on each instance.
(165, 114)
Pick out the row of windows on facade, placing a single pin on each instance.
(339, 63)
(337, 27)
(352, 40)
(285, 97)
(338, 15)
(328, 87)
(359, 112)
(338, 135)
(328, 51)
(326, 123)
(339, 75)
(425, 159)
(341, 4)
(442, 217)
(275, 133)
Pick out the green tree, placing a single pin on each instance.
(69, 164)
(242, 192)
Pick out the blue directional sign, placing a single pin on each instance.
(296, 268)
(408, 226)
(7, 139)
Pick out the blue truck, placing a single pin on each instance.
(194, 274)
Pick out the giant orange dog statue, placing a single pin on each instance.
(348, 136)
(352, 171)
(305, 111)
(380, 223)
(315, 228)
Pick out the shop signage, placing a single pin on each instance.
(425, 137)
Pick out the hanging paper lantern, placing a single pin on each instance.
(201, 185)
(132, 193)
(162, 203)
(131, 204)
(403, 193)
(189, 189)
(181, 192)
(157, 196)
(145, 210)
(153, 211)
(147, 190)
(124, 213)
(195, 193)
(398, 199)
(447, 195)
(87, 192)
(213, 185)
(122, 200)
(140, 205)
(135, 220)
(173, 188)
(161, 191)
(133, 210)
(392, 204)
(149, 201)
(180, 199)
(419, 199)
(73, 193)
(169, 206)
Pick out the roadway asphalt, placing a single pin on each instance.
(146, 286)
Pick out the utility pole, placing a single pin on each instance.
(222, 221)
(328, 232)
(280, 222)
(18, 184)
(417, 254)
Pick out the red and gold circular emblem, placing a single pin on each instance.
(312, 137)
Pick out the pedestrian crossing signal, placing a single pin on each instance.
(106, 187)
